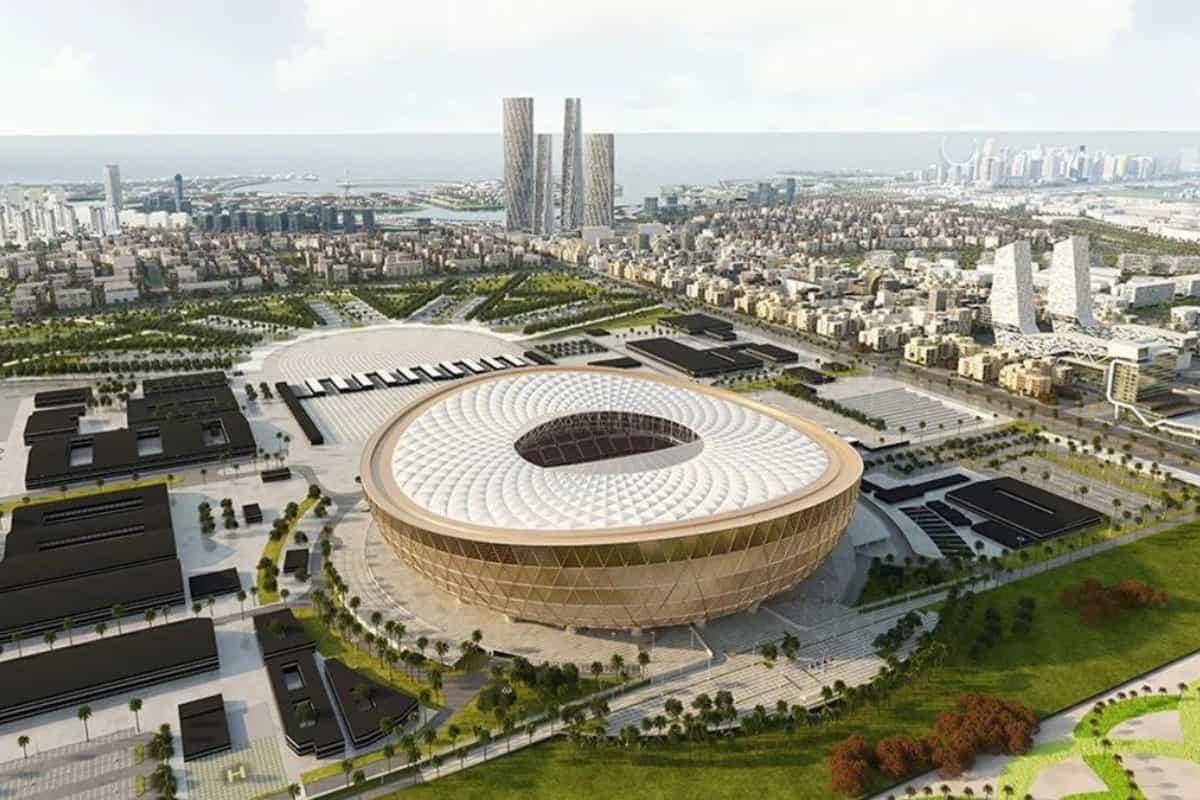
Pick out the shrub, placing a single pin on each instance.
(850, 765)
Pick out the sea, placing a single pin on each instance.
(645, 162)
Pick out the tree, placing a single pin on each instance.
(83, 715)
(23, 743)
(241, 596)
(452, 733)
(135, 705)
(101, 629)
(429, 736)
(294, 791)
(149, 617)
(389, 750)
(347, 768)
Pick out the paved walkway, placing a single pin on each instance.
(101, 768)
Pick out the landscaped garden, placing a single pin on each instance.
(1056, 662)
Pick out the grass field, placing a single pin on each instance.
(635, 319)
(274, 547)
(1057, 664)
(87, 491)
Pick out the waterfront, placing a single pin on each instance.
(395, 162)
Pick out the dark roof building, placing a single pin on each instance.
(362, 711)
(167, 429)
(75, 559)
(203, 727)
(303, 704)
(49, 422)
(71, 676)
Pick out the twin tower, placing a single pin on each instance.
(1069, 300)
(588, 182)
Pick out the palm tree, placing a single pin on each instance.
(389, 750)
(429, 736)
(49, 638)
(294, 791)
(23, 743)
(149, 617)
(68, 625)
(241, 596)
(452, 733)
(101, 628)
(118, 611)
(83, 715)
(135, 705)
(347, 768)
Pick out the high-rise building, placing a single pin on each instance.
(178, 192)
(112, 188)
(543, 201)
(1012, 290)
(518, 163)
(571, 204)
(598, 167)
(97, 221)
(1070, 295)
(789, 190)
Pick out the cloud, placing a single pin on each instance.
(776, 44)
(67, 66)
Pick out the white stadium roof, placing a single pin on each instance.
(457, 459)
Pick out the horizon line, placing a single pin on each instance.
(924, 131)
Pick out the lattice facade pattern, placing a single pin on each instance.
(628, 585)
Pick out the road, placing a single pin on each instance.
(1145, 444)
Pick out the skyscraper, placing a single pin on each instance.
(1012, 290)
(598, 166)
(571, 205)
(112, 188)
(543, 204)
(1070, 295)
(518, 163)
(178, 192)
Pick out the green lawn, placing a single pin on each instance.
(274, 547)
(331, 645)
(635, 319)
(1057, 664)
(86, 491)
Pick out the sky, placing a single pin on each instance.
(397, 66)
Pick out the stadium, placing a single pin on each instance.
(597, 498)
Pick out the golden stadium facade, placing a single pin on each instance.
(598, 498)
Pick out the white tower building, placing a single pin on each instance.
(1070, 296)
(1012, 290)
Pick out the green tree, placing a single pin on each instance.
(83, 715)
(135, 705)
